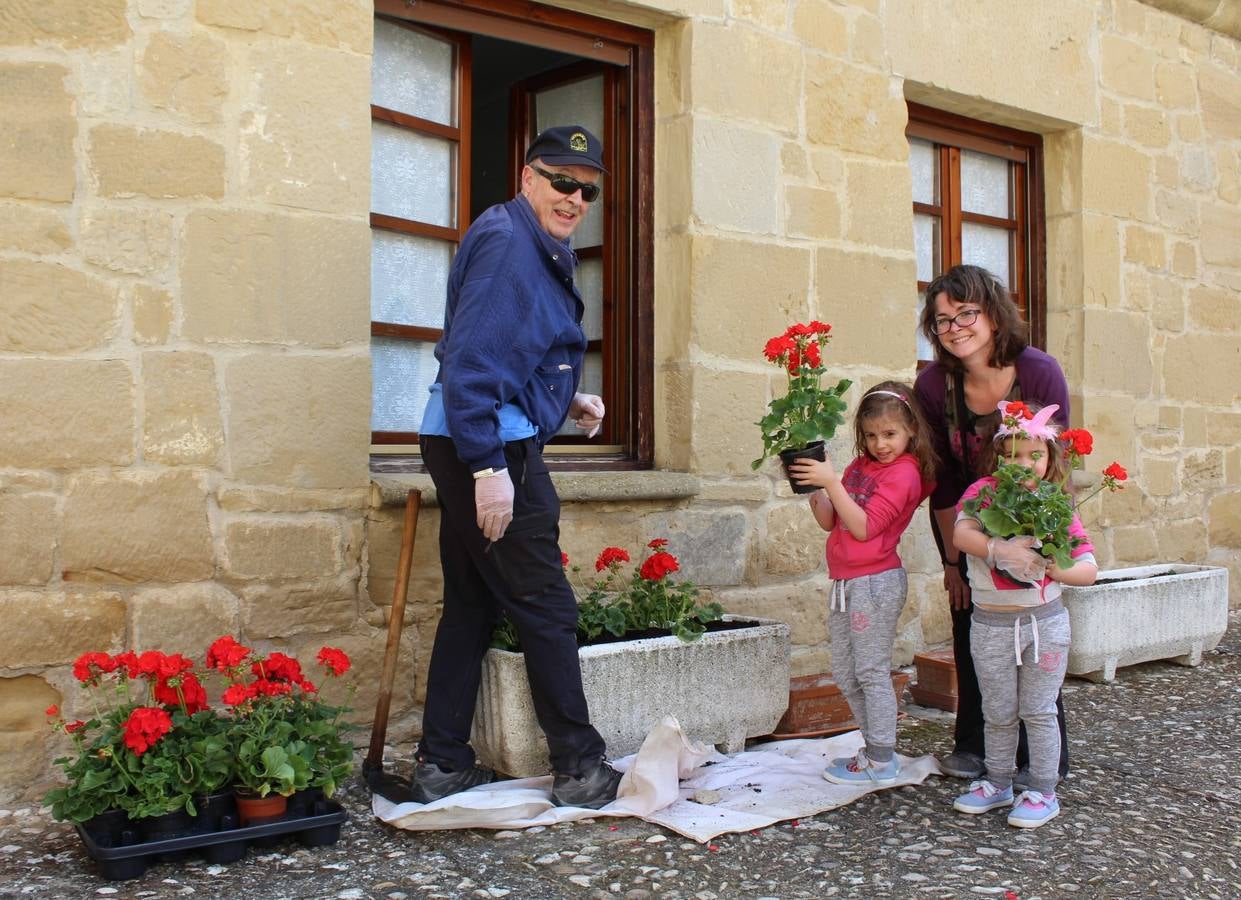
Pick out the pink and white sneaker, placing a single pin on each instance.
(1032, 809)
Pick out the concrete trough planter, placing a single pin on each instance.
(723, 688)
(1171, 611)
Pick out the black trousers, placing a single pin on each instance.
(968, 736)
(520, 575)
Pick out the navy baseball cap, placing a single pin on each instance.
(567, 145)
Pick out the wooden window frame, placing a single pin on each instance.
(952, 133)
(630, 368)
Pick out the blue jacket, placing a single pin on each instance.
(512, 332)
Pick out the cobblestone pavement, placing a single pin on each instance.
(1150, 810)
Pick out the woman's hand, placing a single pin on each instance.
(957, 588)
(812, 471)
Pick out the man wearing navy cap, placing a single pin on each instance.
(510, 362)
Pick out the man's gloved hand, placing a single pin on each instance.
(587, 410)
(493, 502)
(1017, 557)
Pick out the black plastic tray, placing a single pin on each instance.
(130, 860)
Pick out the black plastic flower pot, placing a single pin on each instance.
(112, 828)
(213, 809)
(815, 450)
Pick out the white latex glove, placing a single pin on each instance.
(587, 410)
(493, 502)
(1017, 557)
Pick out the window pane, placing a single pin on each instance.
(985, 184)
(924, 168)
(592, 383)
(926, 350)
(589, 281)
(989, 247)
(412, 73)
(409, 278)
(577, 103)
(401, 371)
(926, 246)
(411, 175)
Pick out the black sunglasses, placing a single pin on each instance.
(566, 184)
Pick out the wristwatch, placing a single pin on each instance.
(488, 472)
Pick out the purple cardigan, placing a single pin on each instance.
(1039, 379)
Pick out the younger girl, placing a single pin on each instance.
(866, 509)
(1019, 636)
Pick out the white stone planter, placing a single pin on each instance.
(723, 688)
(1150, 615)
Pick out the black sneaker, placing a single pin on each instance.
(434, 783)
(594, 788)
(960, 764)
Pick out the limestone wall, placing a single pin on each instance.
(184, 328)
(184, 285)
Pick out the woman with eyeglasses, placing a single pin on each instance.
(982, 356)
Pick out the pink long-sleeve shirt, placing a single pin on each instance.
(889, 495)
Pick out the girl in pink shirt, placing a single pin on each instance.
(866, 509)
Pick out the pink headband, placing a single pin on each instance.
(900, 397)
(1017, 421)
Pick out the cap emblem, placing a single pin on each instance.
(577, 142)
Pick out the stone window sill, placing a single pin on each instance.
(390, 489)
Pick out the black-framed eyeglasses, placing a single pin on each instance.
(566, 184)
(964, 319)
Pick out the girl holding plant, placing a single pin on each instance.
(867, 508)
(1019, 637)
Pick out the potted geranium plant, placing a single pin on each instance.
(808, 414)
(283, 737)
(650, 647)
(152, 748)
(644, 602)
(1021, 504)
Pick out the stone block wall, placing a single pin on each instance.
(186, 453)
(184, 327)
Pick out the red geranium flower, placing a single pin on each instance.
(226, 654)
(334, 660)
(658, 565)
(1116, 472)
(52, 710)
(144, 727)
(797, 330)
(89, 666)
(129, 661)
(657, 543)
(564, 560)
(266, 687)
(778, 346)
(278, 666)
(1079, 441)
(237, 694)
(149, 662)
(611, 556)
(818, 327)
(176, 689)
(1017, 408)
(74, 727)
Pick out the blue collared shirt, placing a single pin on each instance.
(515, 425)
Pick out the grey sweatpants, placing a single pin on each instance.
(862, 636)
(1015, 692)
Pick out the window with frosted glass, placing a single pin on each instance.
(416, 160)
(457, 93)
(977, 199)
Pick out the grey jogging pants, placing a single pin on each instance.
(862, 620)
